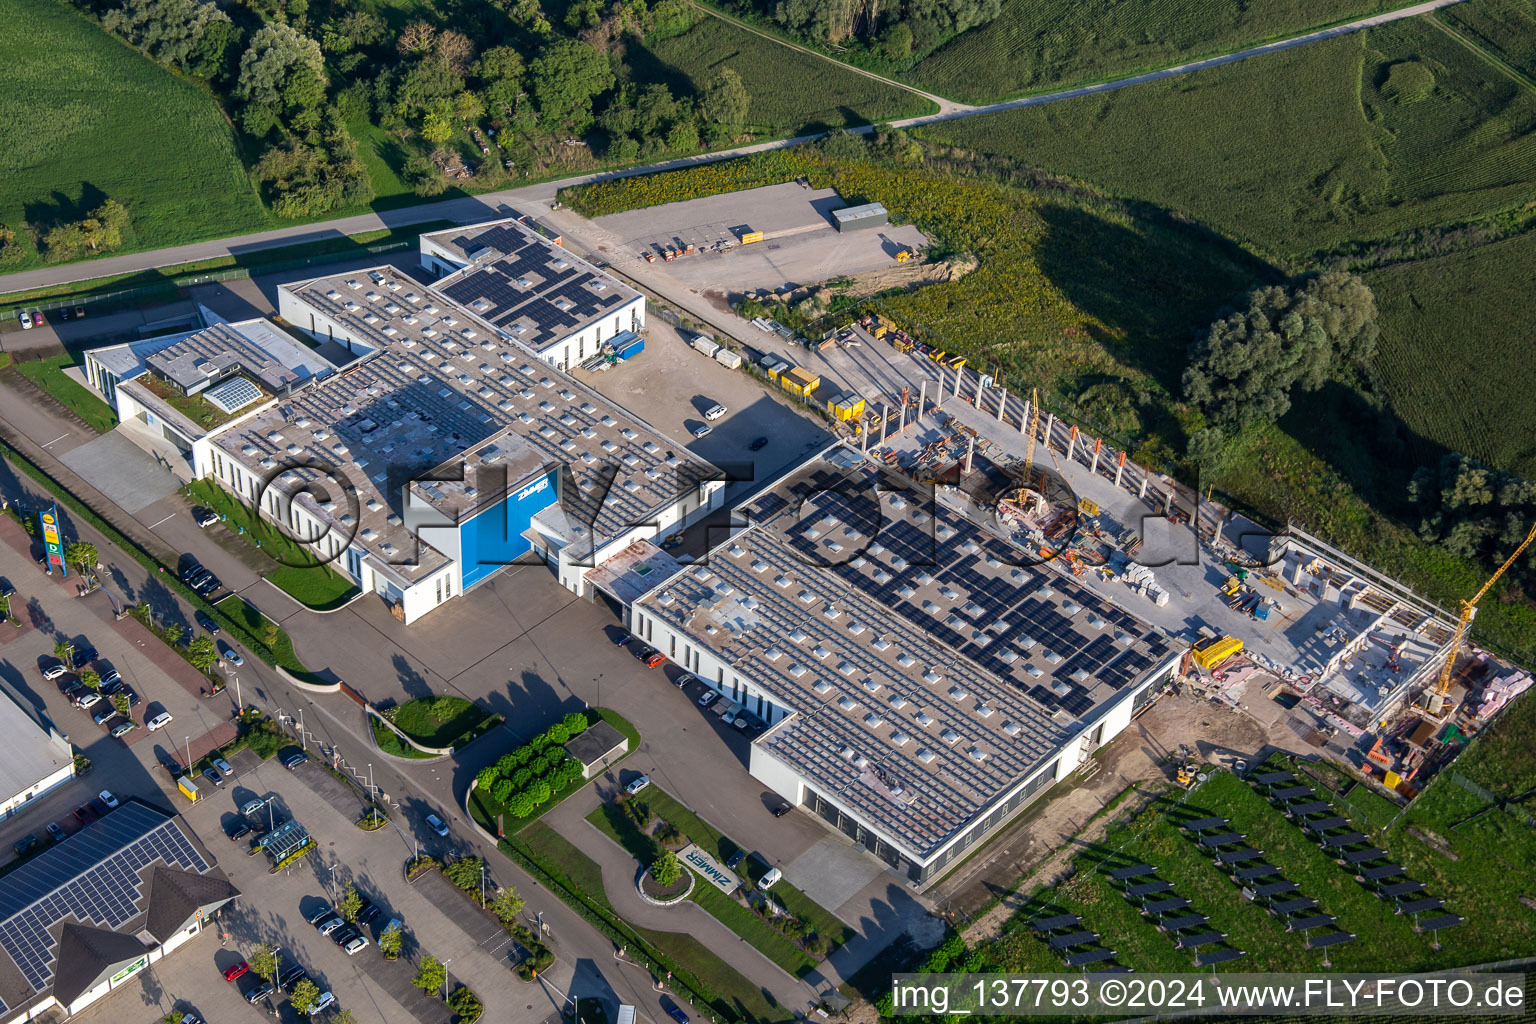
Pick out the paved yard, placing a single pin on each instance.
(122, 471)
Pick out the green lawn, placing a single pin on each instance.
(86, 118)
(792, 92)
(392, 744)
(255, 623)
(611, 820)
(1336, 162)
(1037, 44)
(297, 571)
(746, 999)
(437, 721)
(48, 374)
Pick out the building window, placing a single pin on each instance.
(439, 591)
(448, 585)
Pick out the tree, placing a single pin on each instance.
(566, 78)
(666, 869)
(456, 50)
(103, 231)
(282, 74)
(90, 679)
(62, 649)
(501, 790)
(725, 99)
(351, 903)
(540, 793)
(436, 128)
(192, 35)
(575, 723)
(506, 905)
(343, 1016)
(465, 872)
(1248, 362)
(303, 997)
(520, 805)
(174, 1017)
(202, 653)
(121, 703)
(263, 961)
(82, 554)
(416, 38)
(431, 975)
(466, 1006)
(10, 251)
(390, 941)
(683, 137)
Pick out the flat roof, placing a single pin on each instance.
(526, 285)
(439, 394)
(849, 213)
(931, 667)
(31, 752)
(266, 353)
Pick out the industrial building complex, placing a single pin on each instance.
(38, 758)
(446, 446)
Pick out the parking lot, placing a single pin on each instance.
(671, 386)
(801, 244)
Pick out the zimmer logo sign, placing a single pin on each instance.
(713, 871)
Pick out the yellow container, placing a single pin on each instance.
(1212, 651)
(751, 236)
(188, 788)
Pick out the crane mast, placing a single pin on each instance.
(1468, 610)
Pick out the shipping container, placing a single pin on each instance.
(751, 236)
(857, 218)
(705, 345)
(848, 408)
(725, 357)
(188, 788)
(628, 348)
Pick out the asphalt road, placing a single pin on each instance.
(492, 204)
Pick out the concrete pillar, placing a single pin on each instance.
(938, 392)
(1024, 420)
(1119, 468)
(1050, 426)
(970, 451)
(957, 381)
(1145, 478)
(902, 427)
(922, 400)
(1001, 402)
(864, 437)
(1071, 443)
(885, 417)
(1300, 573)
(1097, 446)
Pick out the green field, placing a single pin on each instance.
(1425, 309)
(792, 92)
(1506, 28)
(85, 118)
(1298, 152)
(48, 374)
(1035, 45)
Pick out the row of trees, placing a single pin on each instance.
(1477, 512)
(899, 32)
(101, 230)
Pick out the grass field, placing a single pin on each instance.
(437, 721)
(1506, 28)
(1297, 152)
(1034, 45)
(1463, 314)
(48, 374)
(792, 92)
(86, 118)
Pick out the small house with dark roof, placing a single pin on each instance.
(91, 912)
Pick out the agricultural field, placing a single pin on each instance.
(85, 118)
(1505, 28)
(1033, 46)
(1374, 134)
(1424, 323)
(792, 92)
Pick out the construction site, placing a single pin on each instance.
(1328, 655)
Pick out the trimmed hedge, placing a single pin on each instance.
(67, 498)
(536, 772)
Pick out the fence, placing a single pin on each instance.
(108, 300)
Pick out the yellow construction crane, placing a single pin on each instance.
(1469, 609)
(1034, 429)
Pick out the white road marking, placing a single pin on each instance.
(58, 439)
(171, 516)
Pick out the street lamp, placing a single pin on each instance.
(302, 745)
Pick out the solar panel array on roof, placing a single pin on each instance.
(93, 876)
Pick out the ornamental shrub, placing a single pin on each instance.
(557, 733)
(575, 724)
(501, 789)
(540, 792)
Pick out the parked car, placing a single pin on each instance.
(320, 914)
(683, 680)
(236, 970)
(710, 696)
(207, 583)
(260, 992)
(88, 699)
(250, 807)
(325, 1002)
(223, 766)
(294, 761)
(703, 430)
(104, 712)
(241, 831)
(623, 639)
(25, 845)
(642, 652)
(26, 320)
(291, 976)
(110, 683)
(758, 445)
(714, 412)
(206, 621)
(437, 825)
(782, 809)
(204, 517)
(736, 858)
(367, 910)
(84, 814)
(159, 722)
(355, 945)
(231, 655)
(57, 833)
(191, 570)
(676, 1012)
(39, 319)
(345, 934)
(329, 923)
(131, 694)
(213, 776)
(637, 785)
(107, 799)
(122, 729)
(83, 656)
(54, 670)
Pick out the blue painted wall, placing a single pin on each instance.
(494, 538)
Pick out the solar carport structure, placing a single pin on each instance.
(92, 911)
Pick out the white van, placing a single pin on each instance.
(769, 880)
(160, 721)
(714, 412)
